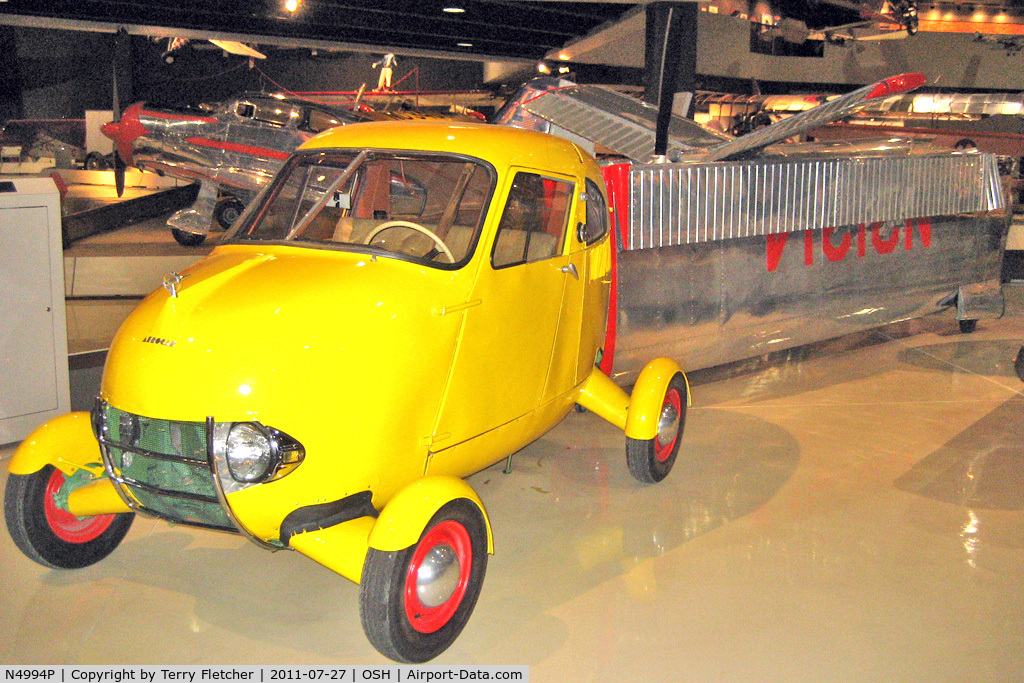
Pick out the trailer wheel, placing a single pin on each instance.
(54, 537)
(415, 602)
(650, 460)
(187, 239)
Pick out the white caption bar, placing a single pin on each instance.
(260, 674)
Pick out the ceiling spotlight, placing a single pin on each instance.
(563, 69)
(453, 10)
(291, 5)
(543, 68)
(464, 44)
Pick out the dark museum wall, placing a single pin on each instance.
(60, 74)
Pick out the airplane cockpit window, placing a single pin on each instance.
(317, 121)
(420, 207)
(245, 110)
(274, 112)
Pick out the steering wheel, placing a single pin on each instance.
(441, 246)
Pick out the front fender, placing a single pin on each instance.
(66, 442)
(648, 395)
(403, 519)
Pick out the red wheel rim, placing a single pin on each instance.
(453, 536)
(65, 525)
(664, 451)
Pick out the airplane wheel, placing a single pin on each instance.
(415, 602)
(54, 537)
(650, 460)
(187, 239)
(94, 161)
(968, 326)
(227, 211)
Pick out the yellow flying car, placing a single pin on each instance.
(406, 304)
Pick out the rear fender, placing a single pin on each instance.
(648, 395)
(66, 442)
(403, 519)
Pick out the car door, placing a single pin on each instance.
(515, 318)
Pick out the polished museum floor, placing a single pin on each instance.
(856, 514)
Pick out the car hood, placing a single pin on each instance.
(285, 335)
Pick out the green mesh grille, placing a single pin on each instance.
(182, 510)
(188, 473)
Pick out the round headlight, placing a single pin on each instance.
(251, 452)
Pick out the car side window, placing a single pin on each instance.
(596, 226)
(534, 220)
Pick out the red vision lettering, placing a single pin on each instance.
(884, 246)
(775, 244)
(924, 228)
(832, 252)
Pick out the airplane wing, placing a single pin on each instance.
(236, 48)
(619, 122)
(812, 118)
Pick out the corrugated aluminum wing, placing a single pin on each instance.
(619, 122)
(686, 203)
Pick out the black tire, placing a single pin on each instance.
(394, 619)
(650, 460)
(968, 326)
(227, 211)
(1018, 364)
(94, 161)
(51, 536)
(187, 239)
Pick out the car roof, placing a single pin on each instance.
(502, 146)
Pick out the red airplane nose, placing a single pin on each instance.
(126, 131)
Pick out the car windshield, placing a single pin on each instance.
(411, 205)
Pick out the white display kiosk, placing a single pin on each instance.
(34, 380)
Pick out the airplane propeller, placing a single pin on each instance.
(121, 46)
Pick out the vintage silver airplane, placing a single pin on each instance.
(232, 150)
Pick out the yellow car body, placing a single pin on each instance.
(384, 368)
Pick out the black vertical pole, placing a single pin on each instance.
(123, 69)
(670, 60)
(11, 82)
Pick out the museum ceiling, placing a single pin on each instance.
(526, 30)
(474, 29)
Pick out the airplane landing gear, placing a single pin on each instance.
(227, 211)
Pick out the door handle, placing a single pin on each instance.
(571, 270)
